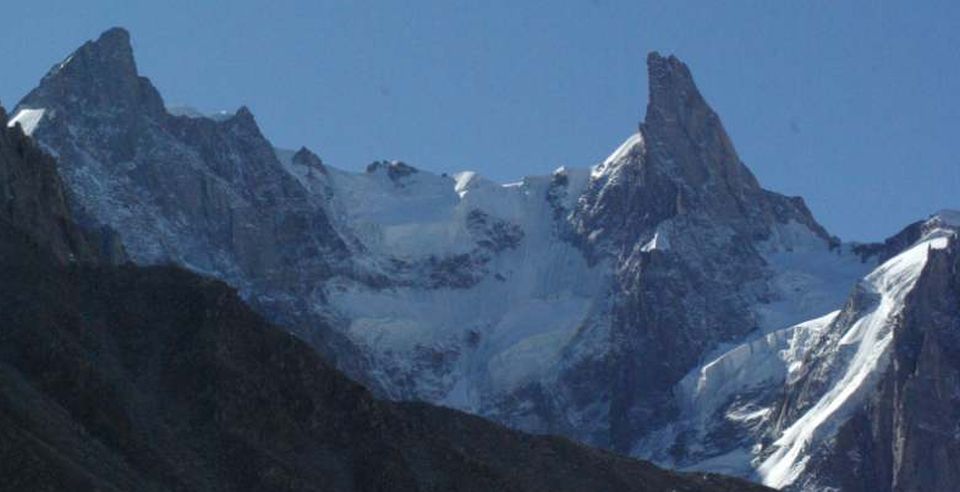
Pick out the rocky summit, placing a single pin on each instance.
(660, 303)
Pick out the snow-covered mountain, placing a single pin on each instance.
(659, 303)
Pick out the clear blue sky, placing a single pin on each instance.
(853, 105)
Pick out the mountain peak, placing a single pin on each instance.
(100, 74)
(244, 122)
(306, 157)
(674, 97)
(687, 132)
(682, 162)
(244, 112)
(243, 117)
(115, 39)
(111, 53)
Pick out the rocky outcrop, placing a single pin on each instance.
(305, 157)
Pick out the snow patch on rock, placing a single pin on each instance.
(28, 119)
(620, 154)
